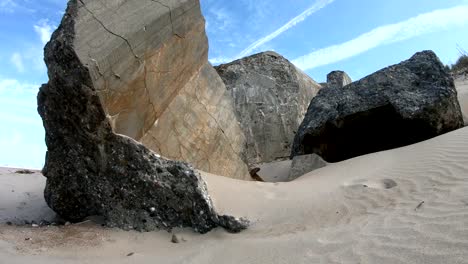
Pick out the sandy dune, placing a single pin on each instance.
(408, 205)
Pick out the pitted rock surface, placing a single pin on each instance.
(397, 106)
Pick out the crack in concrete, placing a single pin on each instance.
(170, 18)
(159, 72)
(179, 136)
(147, 91)
(204, 158)
(158, 144)
(109, 31)
(217, 124)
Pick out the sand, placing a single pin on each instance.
(277, 171)
(21, 198)
(408, 205)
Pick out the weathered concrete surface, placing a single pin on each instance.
(142, 57)
(461, 84)
(189, 129)
(271, 97)
(90, 169)
(397, 106)
(337, 79)
(304, 164)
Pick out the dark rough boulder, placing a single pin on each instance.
(270, 97)
(92, 171)
(396, 106)
(337, 79)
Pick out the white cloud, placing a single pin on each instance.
(32, 56)
(44, 30)
(220, 60)
(12, 6)
(22, 146)
(223, 19)
(7, 6)
(18, 103)
(12, 118)
(422, 24)
(13, 140)
(17, 60)
(21, 132)
(18, 108)
(258, 10)
(291, 23)
(8, 85)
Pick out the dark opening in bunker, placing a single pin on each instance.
(377, 129)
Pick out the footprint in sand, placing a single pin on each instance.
(375, 184)
(382, 184)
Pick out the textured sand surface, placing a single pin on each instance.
(408, 205)
(277, 171)
(21, 198)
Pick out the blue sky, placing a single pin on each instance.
(359, 37)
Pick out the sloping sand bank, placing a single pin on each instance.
(408, 205)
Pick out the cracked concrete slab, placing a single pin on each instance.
(146, 59)
(200, 114)
(102, 96)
